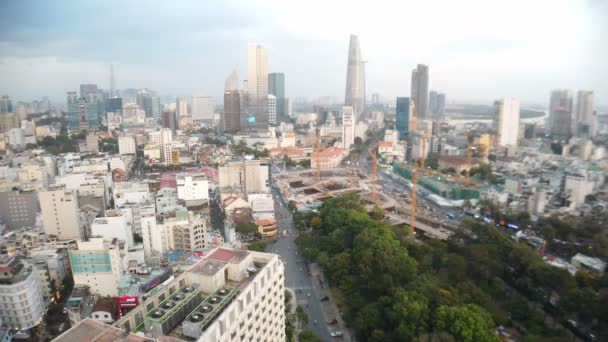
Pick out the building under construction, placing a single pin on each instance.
(308, 189)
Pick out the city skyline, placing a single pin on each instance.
(42, 56)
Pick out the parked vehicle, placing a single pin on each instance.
(336, 334)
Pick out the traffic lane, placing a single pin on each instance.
(296, 274)
(298, 279)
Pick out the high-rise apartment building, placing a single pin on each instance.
(403, 116)
(60, 215)
(257, 82)
(585, 114)
(271, 106)
(348, 126)
(202, 109)
(276, 87)
(420, 90)
(507, 115)
(6, 106)
(355, 79)
(560, 114)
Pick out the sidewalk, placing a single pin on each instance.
(329, 307)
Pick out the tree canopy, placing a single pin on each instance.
(394, 288)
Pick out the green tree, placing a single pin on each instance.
(246, 227)
(258, 246)
(435, 337)
(308, 336)
(548, 232)
(409, 313)
(301, 316)
(468, 323)
(358, 142)
(433, 160)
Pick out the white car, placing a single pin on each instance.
(336, 334)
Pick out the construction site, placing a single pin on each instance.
(309, 188)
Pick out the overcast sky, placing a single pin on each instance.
(476, 50)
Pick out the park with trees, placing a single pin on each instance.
(391, 287)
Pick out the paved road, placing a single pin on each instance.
(296, 273)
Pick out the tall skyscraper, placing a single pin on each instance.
(420, 90)
(232, 111)
(433, 102)
(585, 114)
(436, 103)
(232, 81)
(73, 110)
(155, 107)
(507, 115)
(83, 113)
(169, 120)
(114, 105)
(181, 107)
(202, 109)
(85, 89)
(272, 109)
(560, 114)
(348, 126)
(231, 121)
(144, 101)
(6, 105)
(440, 104)
(375, 99)
(257, 82)
(355, 79)
(403, 116)
(276, 87)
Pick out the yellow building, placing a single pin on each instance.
(175, 156)
(267, 227)
(485, 141)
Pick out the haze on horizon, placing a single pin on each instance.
(476, 50)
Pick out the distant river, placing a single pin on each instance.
(538, 119)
